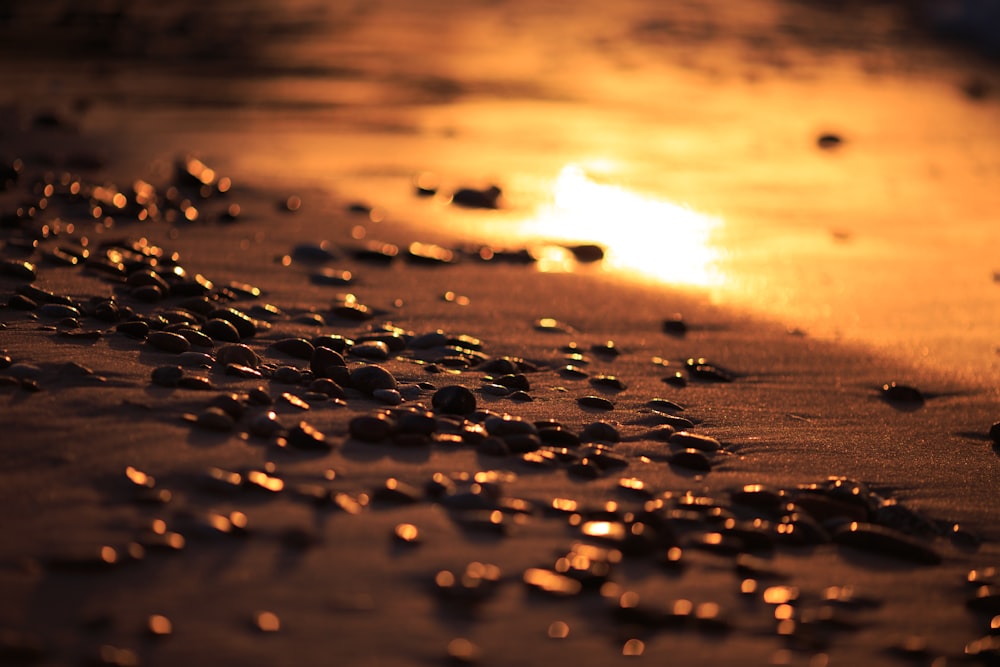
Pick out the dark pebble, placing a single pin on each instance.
(663, 405)
(294, 401)
(396, 492)
(324, 360)
(595, 402)
(608, 382)
(985, 600)
(237, 353)
(573, 373)
(454, 399)
(167, 376)
(305, 436)
(196, 383)
(351, 310)
(995, 433)
(221, 330)
(600, 431)
(168, 342)
(676, 380)
(585, 468)
(196, 338)
(367, 379)
(372, 428)
(829, 140)
(372, 349)
(136, 329)
(231, 404)
(520, 396)
(241, 371)
(258, 396)
(299, 348)
(675, 325)
(885, 542)
(333, 342)
(606, 349)
(327, 387)
(688, 440)
(901, 395)
(245, 326)
(15, 269)
(215, 419)
(701, 369)
(334, 277)
(58, 310)
(21, 302)
(314, 252)
(266, 425)
(286, 375)
(487, 198)
(692, 459)
(587, 252)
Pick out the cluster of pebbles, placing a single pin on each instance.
(216, 338)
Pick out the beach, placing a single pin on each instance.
(309, 392)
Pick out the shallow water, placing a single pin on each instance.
(683, 138)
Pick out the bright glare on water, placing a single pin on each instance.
(653, 237)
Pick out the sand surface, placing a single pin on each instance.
(803, 404)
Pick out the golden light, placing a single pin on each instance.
(642, 234)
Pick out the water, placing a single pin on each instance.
(681, 136)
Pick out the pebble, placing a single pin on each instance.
(600, 431)
(294, 401)
(675, 380)
(286, 375)
(487, 197)
(314, 252)
(373, 349)
(454, 399)
(595, 402)
(15, 269)
(241, 371)
(168, 342)
(167, 376)
(551, 583)
(689, 440)
(215, 419)
(885, 542)
(244, 325)
(608, 382)
(221, 330)
(305, 436)
(196, 338)
(995, 433)
(691, 459)
(237, 353)
(372, 428)
(21, 302)
(700, 369)
(266, 425)
(675, 325)
(663, 405)
(334, 277)
(901, 395)
(299, 348)
(367, 379)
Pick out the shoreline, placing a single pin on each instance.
(795, 412)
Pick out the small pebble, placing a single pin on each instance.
(901, 395)
(367, 379)
(168, 342)
(305, 436)
(595, 402)
(454, 399)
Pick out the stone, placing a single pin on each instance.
(168, 342)
(454, 399)
(367, 379)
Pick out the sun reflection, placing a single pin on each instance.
(650, 236)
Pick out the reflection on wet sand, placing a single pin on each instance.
(641, 234)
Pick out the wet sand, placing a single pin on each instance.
(320, 553)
